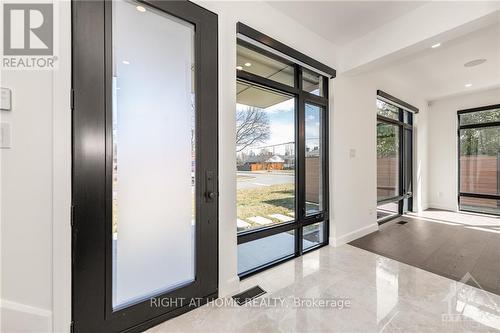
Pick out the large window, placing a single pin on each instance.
(314, 159)
(479, 159)
(394, 157)
(265, 152)
(281, 153)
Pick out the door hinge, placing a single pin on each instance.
(72, 327)
(72, 100)
(72, 217)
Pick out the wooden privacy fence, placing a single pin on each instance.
(387, 177)
(313, 170)
(478, 174)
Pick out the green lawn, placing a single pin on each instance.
(263, 201)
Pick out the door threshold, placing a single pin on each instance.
(388, 219)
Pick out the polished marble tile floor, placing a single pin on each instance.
(347, 289)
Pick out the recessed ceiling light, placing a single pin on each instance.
(125, 62)
(141, 9)
(474, 62)
(239, 68)
(436, 45)
(248, 64)
(468, 85)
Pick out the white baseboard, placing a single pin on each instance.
(22, 318)
(229, 287)
(353, 235)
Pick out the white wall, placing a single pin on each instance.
(27, 193)
(35, 195)
(354, 179)
(443, 159)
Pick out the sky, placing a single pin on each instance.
(281, 123)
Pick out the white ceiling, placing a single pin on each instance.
(440, 72)
(343, 21)
(433, 73)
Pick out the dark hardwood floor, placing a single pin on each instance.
(449, 250)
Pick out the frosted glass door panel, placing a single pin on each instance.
(153, 153)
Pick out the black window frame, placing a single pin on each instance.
(474, 126)
(301, 99)
(405, 157)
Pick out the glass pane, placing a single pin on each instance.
(480, 205)
(312, 82)
(407, 205)
(387, 210)
(408, 117)
(265, 157)
(314, 160)
(408, 167)
(480, 117)
(387, 160)
(387, 110)
(480, 160)
(313, 235)
(153, 154)
(256, 63)
(265, 250)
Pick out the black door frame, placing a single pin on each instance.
(302, 98)
(405, 162)
(91, 171)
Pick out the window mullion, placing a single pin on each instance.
(300, 160)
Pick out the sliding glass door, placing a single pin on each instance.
(479, 160)
(281, 155)
(388, 169)
(394, 160)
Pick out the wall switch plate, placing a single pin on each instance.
(5, 136)
(6, 99)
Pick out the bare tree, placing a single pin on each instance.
(252, 126)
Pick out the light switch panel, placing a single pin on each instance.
(352, 153)
(5, 136)
(6, 103)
